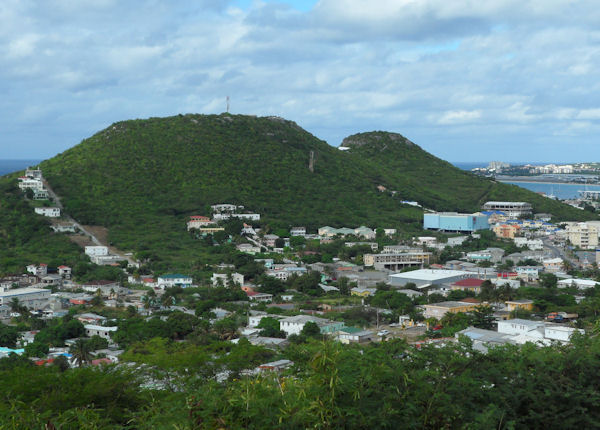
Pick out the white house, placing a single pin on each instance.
(98, 330)
(295, 324)
(96, 250)
(40, 270)
(251, 217)
(30, 183)
(49, 212)
(298, 231)
(225, 207)
(174, 280)
(198, 221)
(223, 279)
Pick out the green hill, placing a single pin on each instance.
(436, 184)
(143, 178)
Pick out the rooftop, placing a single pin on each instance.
(430, 274)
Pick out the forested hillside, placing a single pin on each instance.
(26, 238)
(437, 184)
(143, 178)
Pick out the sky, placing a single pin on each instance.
(467, 80)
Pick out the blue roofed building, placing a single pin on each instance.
(455, 222)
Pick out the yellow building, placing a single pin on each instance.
(526, 305)
(438, 310)
(506, 231)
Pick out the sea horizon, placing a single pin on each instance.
(14, 165)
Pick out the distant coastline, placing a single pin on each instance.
(11, 166)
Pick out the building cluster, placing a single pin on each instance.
(34, 181)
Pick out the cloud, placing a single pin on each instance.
(445, 74)
(459, 117)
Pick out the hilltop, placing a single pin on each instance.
(142, 178)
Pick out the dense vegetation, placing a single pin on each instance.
(143, 178)
(26, 238)
(436, 184)
(387, 385)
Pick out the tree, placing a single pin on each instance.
(8, 335)
(36, 349)
(311, 329)
(483, 317)
(81, 352)
(270, 328)
(548, 280)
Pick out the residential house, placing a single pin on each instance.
(224, 278)
(298, 231)
(553, 265)
(248, 248)
(524, 304)
(438, 310)
(528, 273)
(174, 280)
(469, 284)
(354, 335)
(64, 272)
(295, 324)
(259, 297)
(270, 239)
(51, 212)
(198, 221)
(362, 292)
(38, 270)
(98, 330)
(93, 251)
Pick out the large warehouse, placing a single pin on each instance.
(455, 222)
(426, 277)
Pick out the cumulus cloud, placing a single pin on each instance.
(460, 78)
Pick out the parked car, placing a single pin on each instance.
(383, 333)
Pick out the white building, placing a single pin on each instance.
(298, 231)
(251, 217)
(96, 250)
(426, 277)
(33, 298)
(248, 248)
(98, 330)
(536, 331)
(49, 212)
(582, 284)
(174, 280)
(295, 324)
(223, 279)
(225, 207)
(512, 209)
(30, 183)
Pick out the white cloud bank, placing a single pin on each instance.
(464, 79)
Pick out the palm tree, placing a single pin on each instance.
(81, 352)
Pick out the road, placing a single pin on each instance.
(81, 228)
(559, 252)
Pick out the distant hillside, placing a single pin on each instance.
(437, 184)
(143, 178)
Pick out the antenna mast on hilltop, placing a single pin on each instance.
(227, 104)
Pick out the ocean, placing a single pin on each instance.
(469, 165)
(10, 166)
(561, 191)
